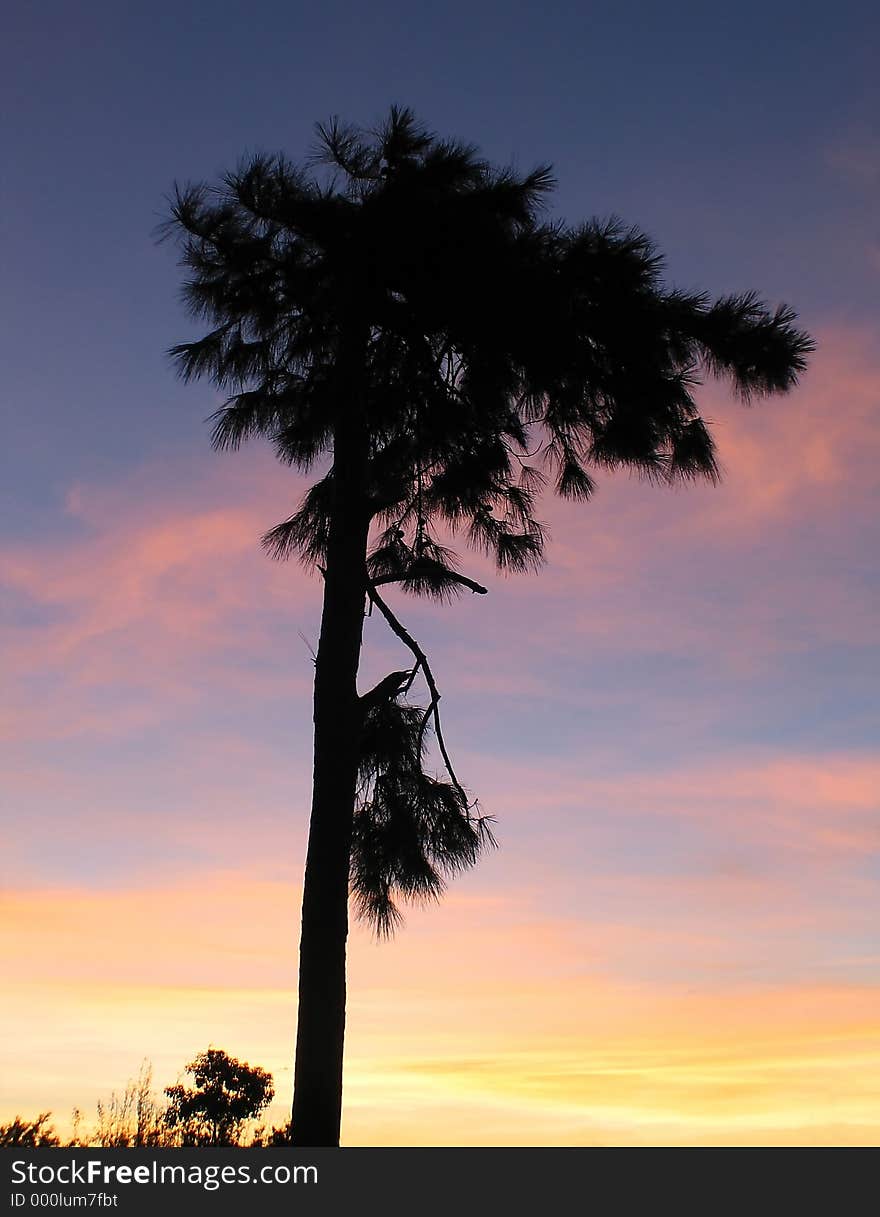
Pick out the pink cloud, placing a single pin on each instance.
(772, 562)
(826, 806)
(164, 587)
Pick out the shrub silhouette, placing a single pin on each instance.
(28, 1133)
(227, 1093)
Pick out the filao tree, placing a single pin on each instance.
(399, 317)
(225, 1094)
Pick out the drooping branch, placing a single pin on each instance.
(422, 663)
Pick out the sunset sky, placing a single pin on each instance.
(675, 724)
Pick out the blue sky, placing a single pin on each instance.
(724, 131)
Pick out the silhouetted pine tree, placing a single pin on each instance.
(398, 315)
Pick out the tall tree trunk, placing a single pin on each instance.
(317, 1101)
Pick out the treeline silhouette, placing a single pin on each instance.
(217, 1103)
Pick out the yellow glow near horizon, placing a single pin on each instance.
(442, 1057)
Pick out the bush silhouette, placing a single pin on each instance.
(28, 1133)
(227, 1092)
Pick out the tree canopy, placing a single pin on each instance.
(225, 1094)
(492, 337)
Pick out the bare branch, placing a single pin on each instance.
(452, 576)
(433, 710)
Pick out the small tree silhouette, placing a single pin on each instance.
(227, 1093)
